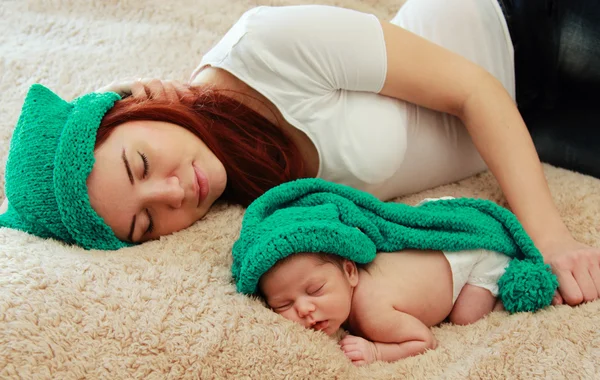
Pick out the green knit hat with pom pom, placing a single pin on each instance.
(313, 215)
(51, 155)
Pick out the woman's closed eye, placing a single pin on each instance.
(145, 163)
(146, 169)
(150, 227)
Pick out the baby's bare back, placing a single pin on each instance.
(415, 282)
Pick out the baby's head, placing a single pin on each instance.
(312, 289)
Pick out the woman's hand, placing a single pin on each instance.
(577, 267)
(149, 88)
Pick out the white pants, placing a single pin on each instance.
(475, 267)
(478, 267)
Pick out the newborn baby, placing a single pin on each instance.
(389, 304)
(329, 256)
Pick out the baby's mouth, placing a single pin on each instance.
(321, 325)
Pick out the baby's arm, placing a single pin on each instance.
(392, 335)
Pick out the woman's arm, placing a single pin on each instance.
(428, 75)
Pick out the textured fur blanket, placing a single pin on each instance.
(168, 309)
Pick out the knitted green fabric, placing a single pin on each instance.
(51, 155)
(313, 215)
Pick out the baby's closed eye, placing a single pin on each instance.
(315, 290)
(278, 308)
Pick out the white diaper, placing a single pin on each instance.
(478, 267)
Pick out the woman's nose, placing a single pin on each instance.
(167, 191)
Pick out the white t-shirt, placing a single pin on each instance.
(323, 67)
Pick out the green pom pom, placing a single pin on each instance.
(527, 286)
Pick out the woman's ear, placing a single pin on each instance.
(351, 272)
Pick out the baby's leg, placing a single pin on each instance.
(499, 306)
(472, 304)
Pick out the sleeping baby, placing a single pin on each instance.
(388, 304)
(327, 256)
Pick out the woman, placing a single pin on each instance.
(389, 108)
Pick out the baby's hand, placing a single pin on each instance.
(359, 350)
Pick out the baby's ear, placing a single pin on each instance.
(351, 272)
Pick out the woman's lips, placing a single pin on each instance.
(202, 185)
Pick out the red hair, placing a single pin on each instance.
(257, 154)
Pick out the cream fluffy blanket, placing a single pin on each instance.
(168, 309)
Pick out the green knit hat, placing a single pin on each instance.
(51, 155)
(313, 215)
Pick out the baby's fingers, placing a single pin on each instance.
(354, 355)
(349, 347)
